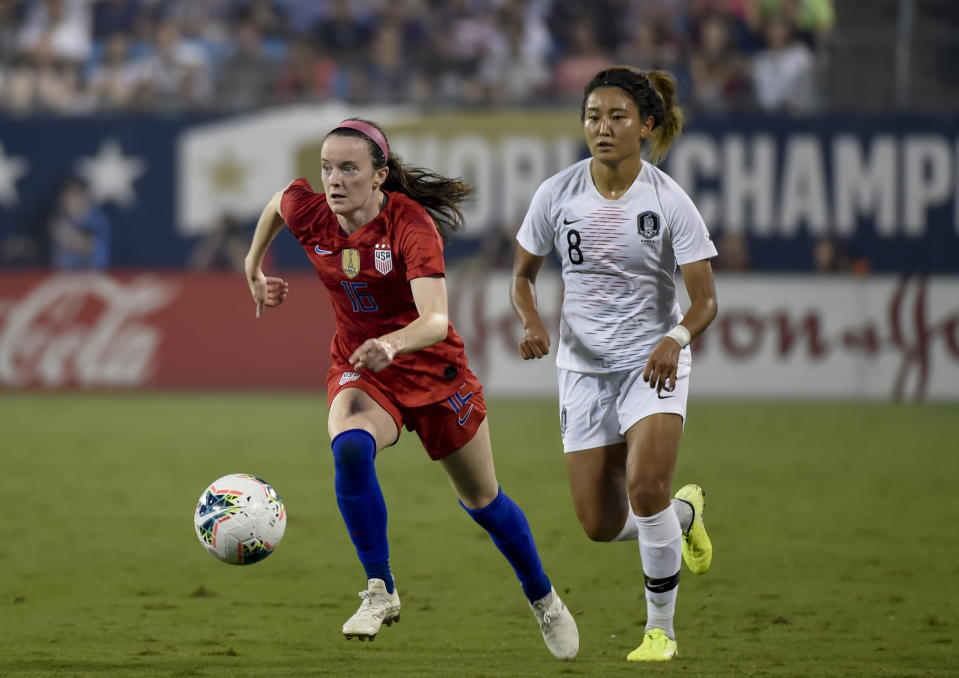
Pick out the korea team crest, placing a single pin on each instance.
(647, 225)
(383, 258)
(351, 262)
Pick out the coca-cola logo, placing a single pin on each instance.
(86, 329)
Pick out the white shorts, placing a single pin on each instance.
(597, 409)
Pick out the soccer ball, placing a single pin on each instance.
(240, 519)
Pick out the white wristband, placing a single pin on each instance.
(681, 335)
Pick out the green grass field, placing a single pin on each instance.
(834, 528)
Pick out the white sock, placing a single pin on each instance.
(684, 511)
(630, 531)
(660, 547)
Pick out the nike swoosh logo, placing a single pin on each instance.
(662, 397)
(319, 251)
(462, 420)
(567, 222)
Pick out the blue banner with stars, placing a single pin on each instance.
(127, 165)
(131, 170)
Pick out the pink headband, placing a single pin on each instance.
(369, 130)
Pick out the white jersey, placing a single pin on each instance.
(619, 258)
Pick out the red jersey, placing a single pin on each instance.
(367, 274)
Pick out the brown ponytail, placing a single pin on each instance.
(671, 125)
(439, 195)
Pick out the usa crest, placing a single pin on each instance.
(351, 262)
(647, 225)
(383, 258)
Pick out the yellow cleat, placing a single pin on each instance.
(697, 549)
(656, 647)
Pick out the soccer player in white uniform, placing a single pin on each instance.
(621, 226)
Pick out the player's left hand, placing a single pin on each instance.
(374, 355)
(663, 365)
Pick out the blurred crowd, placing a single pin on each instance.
(75, 57)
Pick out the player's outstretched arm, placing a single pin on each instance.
(431, 327)
(522, 294)
(266, 291)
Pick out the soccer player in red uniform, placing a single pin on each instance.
(375, 238)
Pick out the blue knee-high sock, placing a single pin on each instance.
(361, 501)
(507, 525)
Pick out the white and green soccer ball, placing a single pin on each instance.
(240, 519)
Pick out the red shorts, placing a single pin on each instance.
(443, 427)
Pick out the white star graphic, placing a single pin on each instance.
(11, 169)
(111, 174)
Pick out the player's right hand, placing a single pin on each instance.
(373, 354)
(267, 291)
(535, 343)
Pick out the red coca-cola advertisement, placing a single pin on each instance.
(149, 330)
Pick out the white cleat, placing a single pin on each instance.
(378, 608)
(557, 624)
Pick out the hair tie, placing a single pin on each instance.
(368, 130)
